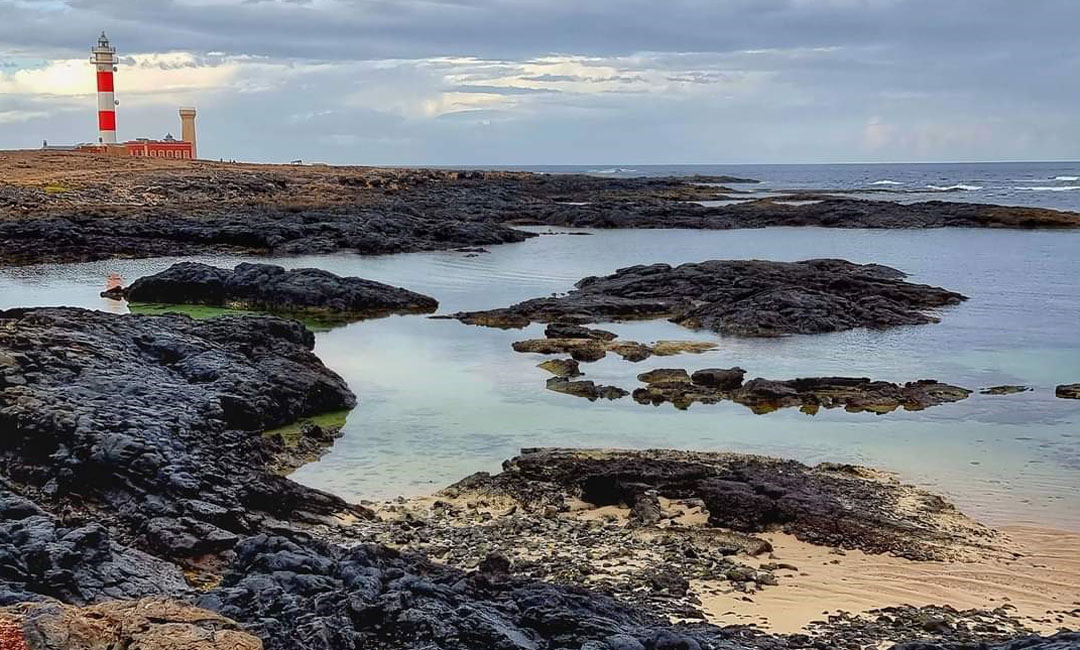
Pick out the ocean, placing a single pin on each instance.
(1036, 184)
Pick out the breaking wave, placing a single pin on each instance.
(614, 170)
(886, 182)
(1067, 178)
(1055, 188)
(955, 188)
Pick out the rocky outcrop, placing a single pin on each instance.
(854, 394)
(590, 349)
(565, 368)
(150, 623)
(72, 559)
(158, 231)
(302, 594)
(821, 210)
(135, 209)
(1008, 389)
(572, 331)
(267, 287)
(585, 388)
(1068, 391)
(148, 428)
(833, 505)
(719, 378)
(740, 298)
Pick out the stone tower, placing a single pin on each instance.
(187, 130)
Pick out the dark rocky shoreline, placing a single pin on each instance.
(274, 210)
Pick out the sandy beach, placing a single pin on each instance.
(1042, 584)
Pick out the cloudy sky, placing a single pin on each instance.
(476, 82)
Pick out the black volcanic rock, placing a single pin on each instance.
(156, 231)
(272, 288)
(809, 394)
(828, 504)
(78, 563)
(150, 425)
(572, 331)
(814, 210)
(585, 388)
(288, 211)
(301, 594)
(1068, 391)
(719, 378)
(740, 298)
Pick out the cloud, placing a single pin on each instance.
(424, 81)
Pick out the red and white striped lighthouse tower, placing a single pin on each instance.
(104, 59)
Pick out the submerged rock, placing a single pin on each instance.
(272, 288)
(1008, 389)
(740, 298)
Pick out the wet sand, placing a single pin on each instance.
(1043, 584)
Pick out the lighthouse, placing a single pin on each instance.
(103, 56)
(104, 59)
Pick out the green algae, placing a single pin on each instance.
(291, 433)
(201, 312)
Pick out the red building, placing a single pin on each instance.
(167, 148)
(146, 148)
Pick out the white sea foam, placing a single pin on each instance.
(955, 188)
(886, 182)
(1067, 178)
(1055, 188)
(613, 170)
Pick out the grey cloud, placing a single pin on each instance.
(502, 90)
(750, 80)
(551, 78)
(356, 29)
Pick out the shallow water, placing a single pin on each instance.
(439, 400)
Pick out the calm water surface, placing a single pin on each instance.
(440, 400)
